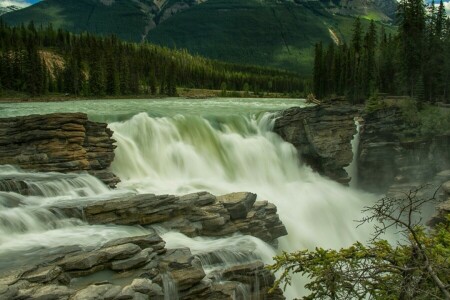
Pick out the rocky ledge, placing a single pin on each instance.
(60, 142)
(134, 268)
(198, 214)
(322, 136)
(392, 155)
(443, 209)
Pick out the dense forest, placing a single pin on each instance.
(38, 61)
(413, 62)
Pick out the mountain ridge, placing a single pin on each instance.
(272, 33)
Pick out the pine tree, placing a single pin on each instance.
(412, 36)
(318, 71)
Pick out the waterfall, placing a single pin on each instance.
(28, 222)
(183, 154)
(218, 146)
(352, 169)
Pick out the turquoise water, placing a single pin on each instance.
(124, 109)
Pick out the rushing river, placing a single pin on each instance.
(180, 146)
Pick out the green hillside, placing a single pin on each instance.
(125, 18)
(267, 33)
(279, 34)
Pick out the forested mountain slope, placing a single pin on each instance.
(275, 33)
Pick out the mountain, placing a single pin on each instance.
(275, 33)
(7, 9)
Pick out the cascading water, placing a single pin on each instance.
(28, 222)
(209, 147)
(352, 169)
(184, 154)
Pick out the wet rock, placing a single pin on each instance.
(238, 204)
(51, 292)
(131, 263)
(43, 274)
(184, 269)
(94, 292)
(83, 261)
(59, 142)
(146, 241)
(322, 136)
(140, 274)
(121, 251)
(197, 214)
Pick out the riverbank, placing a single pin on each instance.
(181, 93)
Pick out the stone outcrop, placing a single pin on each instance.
(137, 268)
(59, 142)
(322, 135)
(443, 209)
(391, 153)
(197, 214)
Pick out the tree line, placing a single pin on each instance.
(414, 61)
(43, 60)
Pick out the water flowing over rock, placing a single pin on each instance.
(391, 154)
(322, 135)
(197, 214)
(60, 142)
(138, 267)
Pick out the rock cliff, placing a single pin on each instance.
(322, 135)
(60, 142)
(390, 153)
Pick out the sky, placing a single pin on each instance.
(18, 3)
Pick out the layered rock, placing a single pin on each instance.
(133, 268)
(197, 214)
(322, 136)
(60, 142)
(391, 153)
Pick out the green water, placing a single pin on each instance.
(124, 109)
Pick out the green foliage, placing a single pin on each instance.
(410, 113)
(278, 34)
(413, 62)
(434, 120)
(97, 66)
(374, 103)
(418, 268)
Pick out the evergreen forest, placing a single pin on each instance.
(414, 62)
(43, 60)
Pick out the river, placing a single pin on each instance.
(179, 146)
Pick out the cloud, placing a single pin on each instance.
(18, 3)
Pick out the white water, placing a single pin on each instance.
(26, 222)
(352, 169)
(179, 154)
(184, 154)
